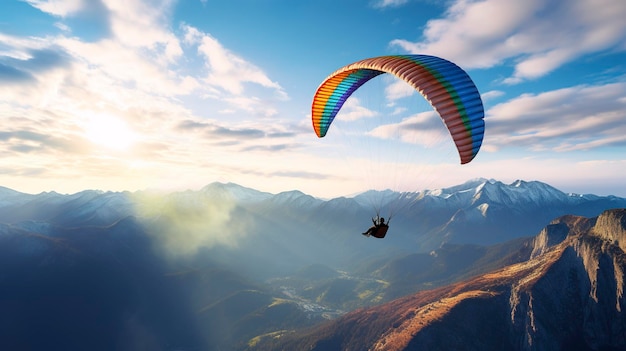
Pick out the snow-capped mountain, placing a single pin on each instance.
(475, 211)
(492, 192)
(480, 211)
(294, 198)
(237, 192)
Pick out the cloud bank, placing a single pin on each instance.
(538, 36)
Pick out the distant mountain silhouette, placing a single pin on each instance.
(292, 228)
(228, 267)
(567, 296)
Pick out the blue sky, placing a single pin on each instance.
(138, 94)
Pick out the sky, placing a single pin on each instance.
(163, 94)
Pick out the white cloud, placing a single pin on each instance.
(424, 128)
(63, 27)
(60, 8)
(492, 94)
(352, 110)
(398, 89)
(111, 61)
(143, 23)
(389, 3)
(540, 35)
(142, 52)
(576, 118)
(139, 74)
(226, 70)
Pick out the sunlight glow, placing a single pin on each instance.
(110, 132)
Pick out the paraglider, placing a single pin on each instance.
(447, 87)
(379, 229)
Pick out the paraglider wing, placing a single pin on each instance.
(446, 86)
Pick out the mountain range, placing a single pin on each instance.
(229, 267)
(567, 294)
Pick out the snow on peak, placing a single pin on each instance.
(379, 197)
(436, 192)
(236, 191)
(483, 209)
(294, 197)
(519, 191)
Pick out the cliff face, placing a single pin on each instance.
(578, 302)
(568, 296)
(611, 226)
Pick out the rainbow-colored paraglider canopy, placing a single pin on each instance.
(446, 86)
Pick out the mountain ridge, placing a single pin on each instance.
(472, 212)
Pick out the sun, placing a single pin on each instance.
(110, 132)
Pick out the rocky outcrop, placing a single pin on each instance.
(611, 227)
